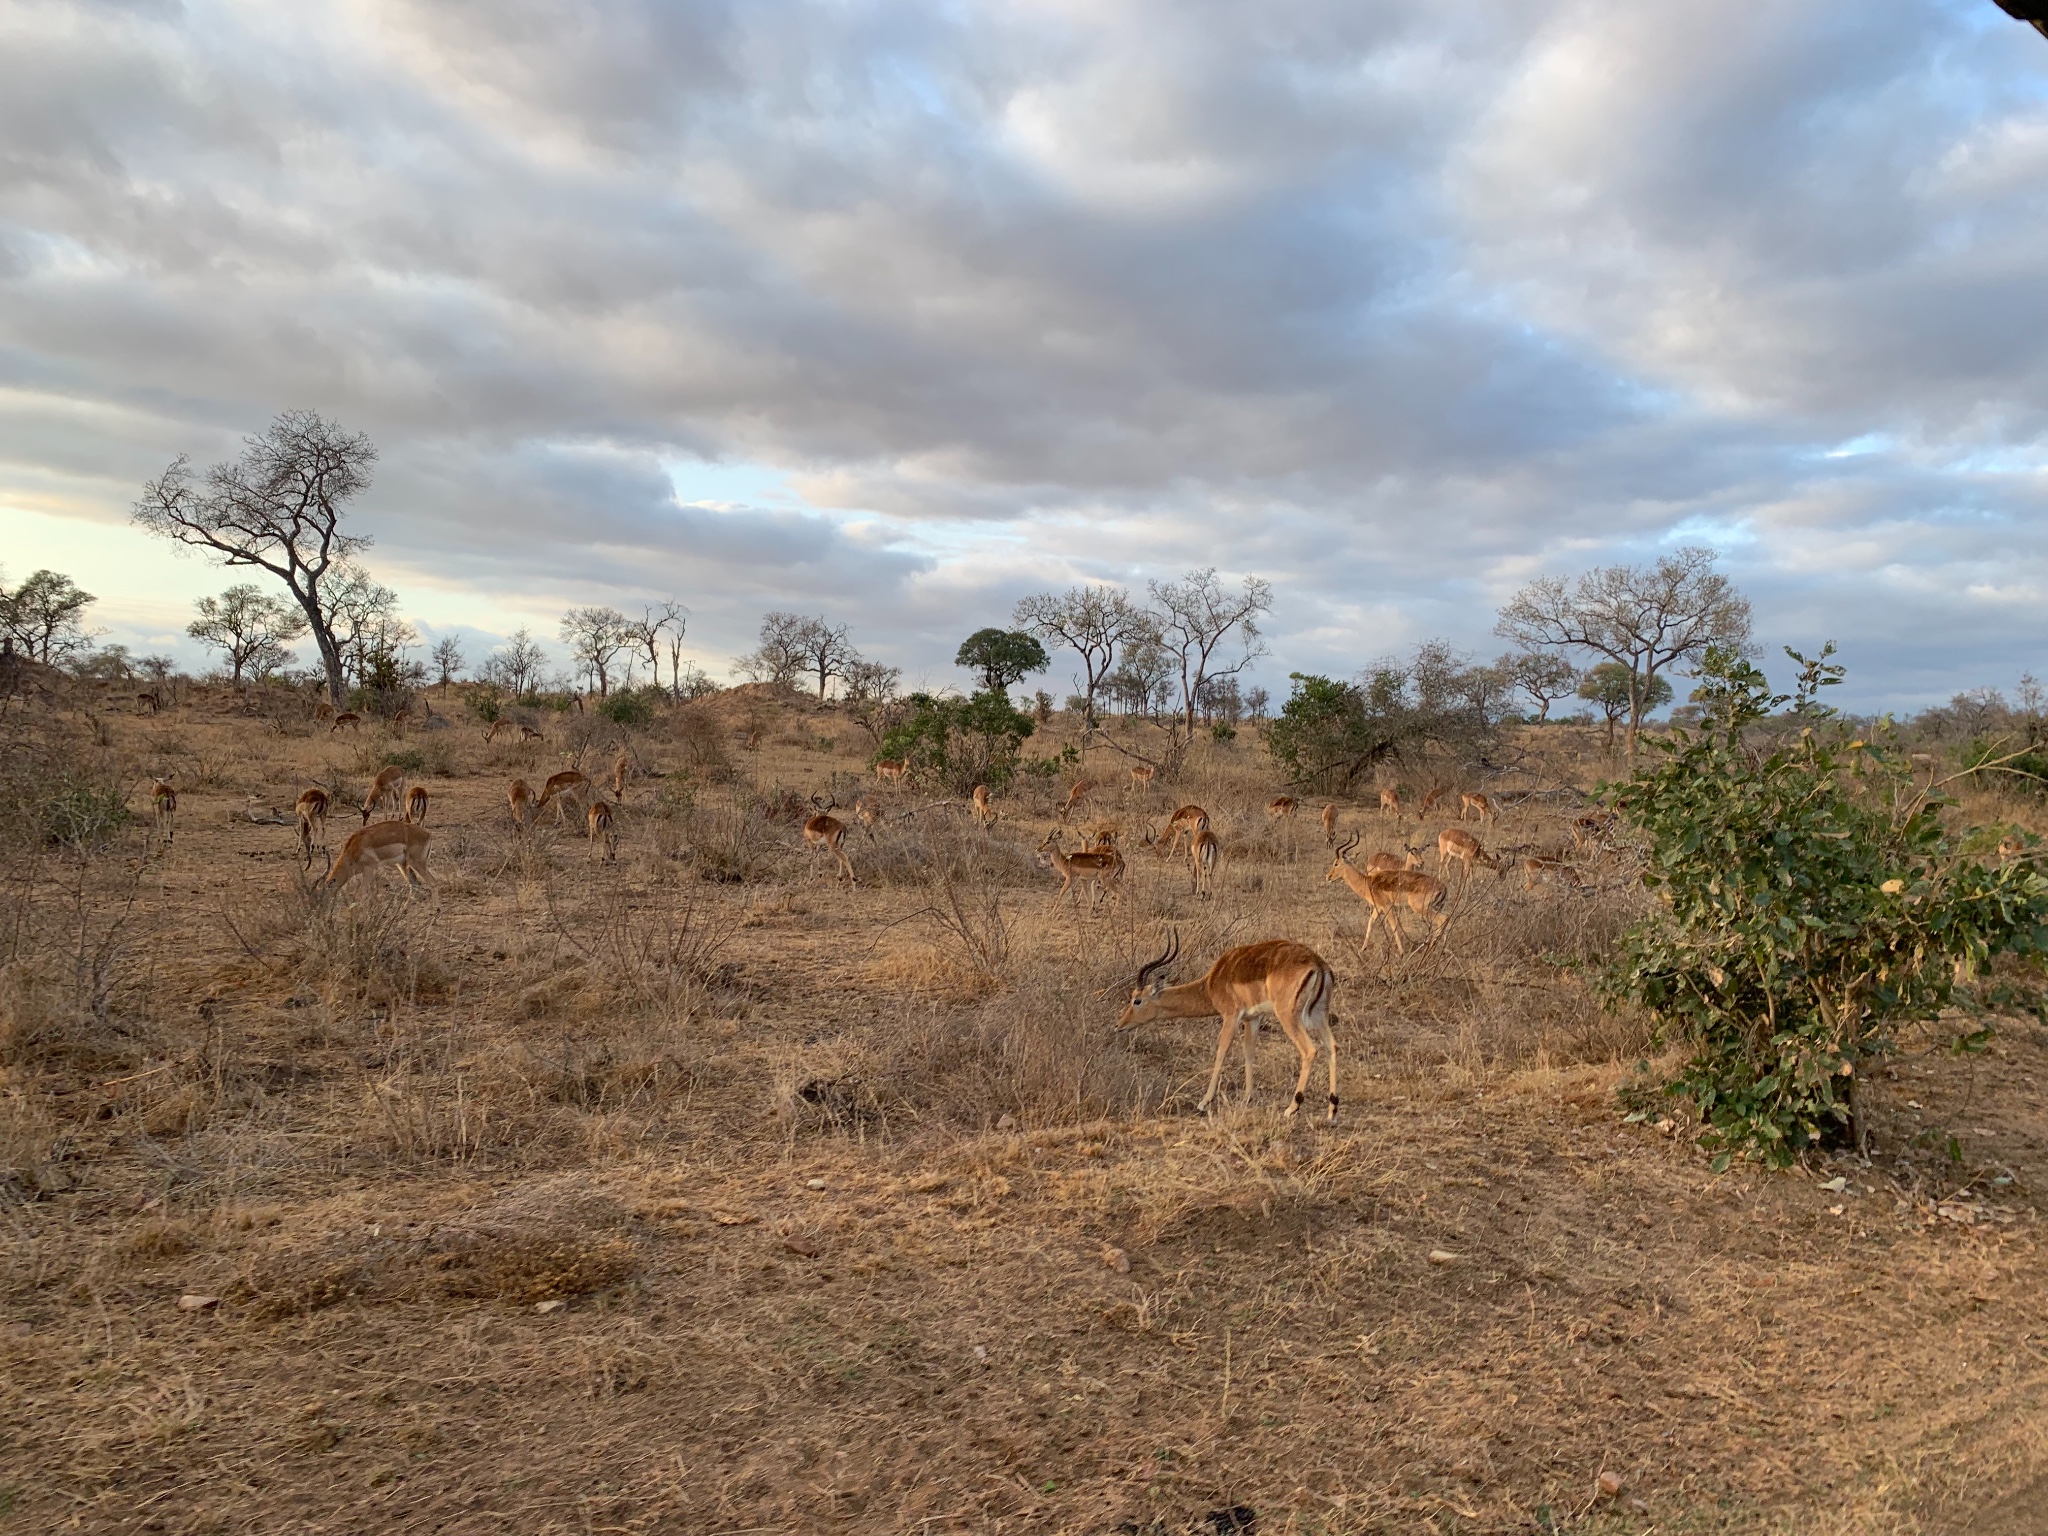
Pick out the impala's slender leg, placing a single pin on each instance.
(1230, 1023)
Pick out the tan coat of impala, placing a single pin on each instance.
(1330, 823)
(1102, 871)
(1074, 796)
(1387, 893)
(1276, 979)
(416, 806)
(1185, 822)
(1282, 807)
(1456, 843)
(564, 791)
(1204, 854)
(311, 811)
(828, 833)
(163, 802)
(604, 837)
(1390, 800)
(984, 813)
(1479, 805)
(398, 843)
(519, 794)
(386, 790)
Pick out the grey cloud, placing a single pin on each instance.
(1396, 304)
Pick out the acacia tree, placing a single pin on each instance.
(1095, 623)
(42, 617)
(1543, 676)
(1646, 618)
(825, 650)
(249, 627)
(278, 507)
(1610, 688)
(999, 658)
(1194, 618)
(595, 636)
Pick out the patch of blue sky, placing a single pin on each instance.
(1722, 533)
(703, 483)
(1860, 447)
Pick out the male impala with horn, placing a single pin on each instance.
(1276, 979)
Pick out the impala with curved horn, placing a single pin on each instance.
(1385, 889)
(1276, 978)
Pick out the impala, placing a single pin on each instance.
(1479, 805)
(1544, 866)
(565, 789)
(1429, 801)
(1276, 979)
(497, 727)
(1456, 843)
(1081, 787)
(148, 703)
(163, 800)
(387, 788)
(828, 832)
(1142, 775)
(892, 770)
(620, 770)
(865, 814)
(984, 813)
(416, 806)
(348, 719)
(528, 735)
(1330, 822)
(1392, 863)
(1101, 870)
(1185, 822)
(1384, 893)
(1282, 806)
(1390, 800)
(520, 794)
(311, 811)
(1204, 852)
(388, 842)
(603, 835)
(1593, 827)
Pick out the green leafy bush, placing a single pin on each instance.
(1814, 905)
(629, 707)
(960, 743)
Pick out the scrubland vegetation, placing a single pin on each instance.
(702, 1191)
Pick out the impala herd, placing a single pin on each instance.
(1276, 979)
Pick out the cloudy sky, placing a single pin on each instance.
(898, 311)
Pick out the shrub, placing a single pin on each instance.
(960, 742)
(629, 707)
(2004, 768)
(1815, 904)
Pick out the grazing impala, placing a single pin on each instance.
(498, 727)
(148, 703)
(528, 735)
(1385, 893)
(984, 813)
(621, 770)
(520, 794)
(1456, 843)
(1390, 800)
(1204, 853)
(1282, 807)
(1546, 866)
(1142, 775)
(892, 770)
(1479, 805)
(1100, 870)
(865, 814)
(1185, 822)
(603, 834)
(563, 790)
(1593, 827)
(1276, 979)
(388, 788)
(1429, 800)
(1391, 863)
(311, 811)
(1330, 823)
(388, 842)
(416, 806)
(347, 720)
(1081, 787)
(825, 832)
(163, 800)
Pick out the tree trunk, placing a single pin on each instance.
(323, 640)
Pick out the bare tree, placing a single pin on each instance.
(447, 659)
(1195, 618)
(1646, 618)
(595, 636)
(826, 651)
(665, 619)
(277, 507)
(250, 628)
(362, 620)
(42, 617)
(1095, 623)
(519, 665)
(1543, 676)
(781, 653)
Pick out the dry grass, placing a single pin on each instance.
(701, 1192)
